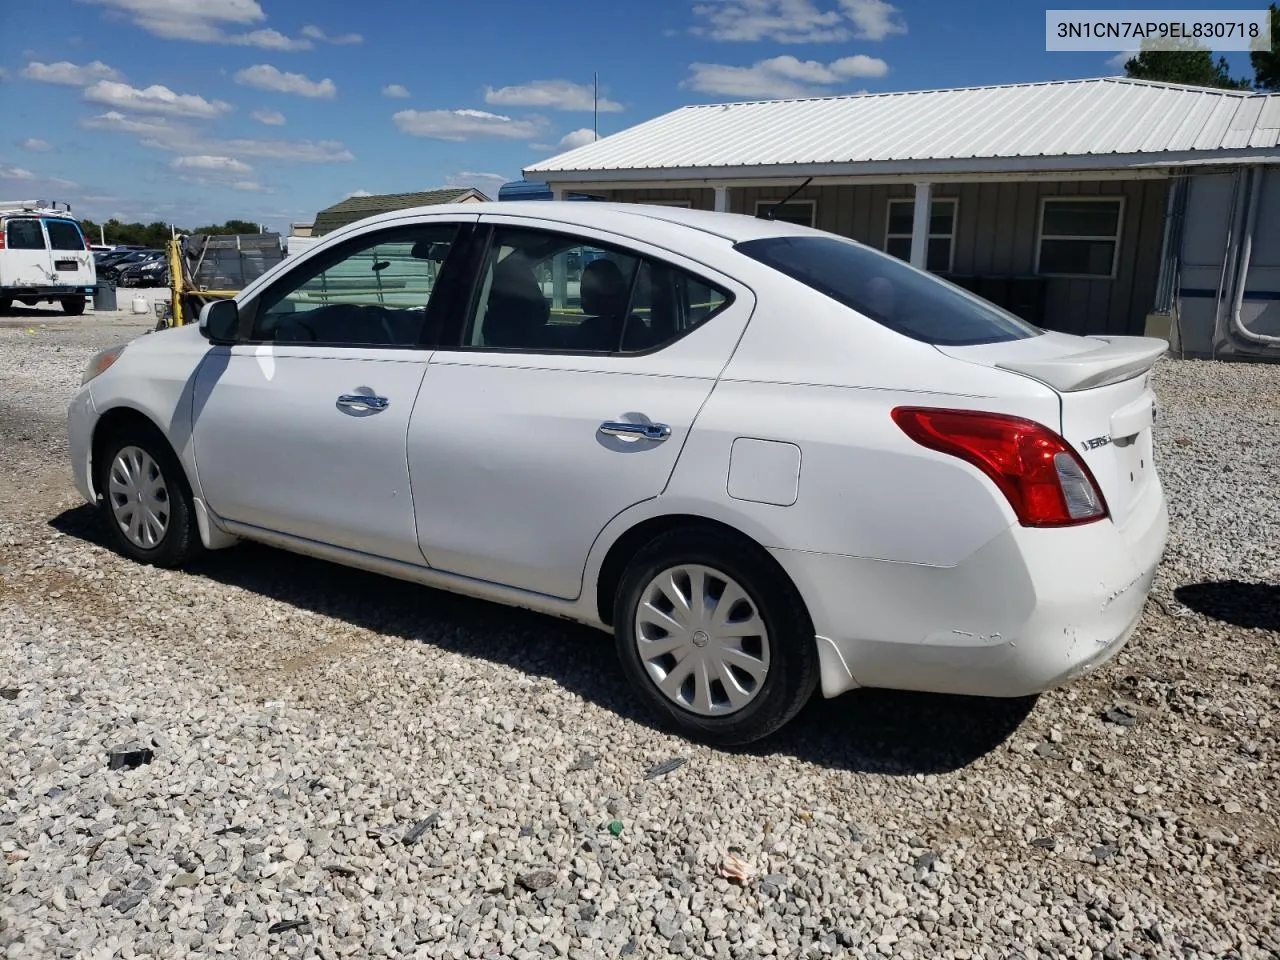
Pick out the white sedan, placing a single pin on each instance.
(766, 458)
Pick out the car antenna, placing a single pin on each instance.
(767, 214)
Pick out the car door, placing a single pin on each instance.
(26, 254)
(300, 429)
(72, 259)
(565, 400)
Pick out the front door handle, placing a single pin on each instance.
(362, 401)
(654, 432)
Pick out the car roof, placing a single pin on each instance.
(734, 227)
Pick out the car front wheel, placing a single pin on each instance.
(145, 501)
(714, 637)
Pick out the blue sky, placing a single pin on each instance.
(191, 111)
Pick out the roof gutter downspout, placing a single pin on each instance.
(1246, 251)
(1229, 256)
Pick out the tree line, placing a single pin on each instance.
(1198, 68)
(154, 235)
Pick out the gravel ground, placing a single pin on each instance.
(327, 763)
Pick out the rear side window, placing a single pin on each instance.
(24, 235)
(555, 293)
(64, 235)
(913, 303)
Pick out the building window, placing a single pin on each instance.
(942, 232)
(1079, 236)
(799, 212)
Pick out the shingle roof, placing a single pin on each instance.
(1105, 119)
(357, 208)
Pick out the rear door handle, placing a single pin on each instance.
(361, 401)
(654, 432)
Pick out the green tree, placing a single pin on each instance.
(1266, 65)
(1193, 66)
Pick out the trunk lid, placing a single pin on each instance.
(1107, 404)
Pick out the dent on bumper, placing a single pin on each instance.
(81, 416)
(1029, 611)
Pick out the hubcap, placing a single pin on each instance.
(701, 639)
(139, 498)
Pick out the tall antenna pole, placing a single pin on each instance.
(595, 105)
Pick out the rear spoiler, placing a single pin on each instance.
(1114, 360)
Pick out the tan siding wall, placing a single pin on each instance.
(997, 230)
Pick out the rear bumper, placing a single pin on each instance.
(47, 293)
(1030, 611)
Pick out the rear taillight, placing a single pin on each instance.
(1045, 482)
(2, 231)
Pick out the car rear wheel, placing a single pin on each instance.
(6, 305)
(145, 500)
(714, 637)
(73, 306)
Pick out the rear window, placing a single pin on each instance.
(24, 235)
(64, 235)
(913, 303)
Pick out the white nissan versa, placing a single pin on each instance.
(765, 457)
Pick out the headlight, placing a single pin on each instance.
(100, 361)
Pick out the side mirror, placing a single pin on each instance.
(220, 321)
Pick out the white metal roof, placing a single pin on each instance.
(1083, 124)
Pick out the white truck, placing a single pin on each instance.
(44, 256)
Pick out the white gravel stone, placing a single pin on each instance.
(306, 719)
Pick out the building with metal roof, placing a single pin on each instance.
(358, 207)
(1067, 202)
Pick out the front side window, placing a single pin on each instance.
(372, 291)
(894, 294)
(1079, 238)
(64, 235)
(555, 293)
(942, 232)
(24, 234)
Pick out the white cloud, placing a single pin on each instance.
(35, 144)
(873, 19)
(315, 33)
(1117, 62)
(249, 186)
(549, 94)
(395, 91)
(357, 193)
(211, 164)
(577, 138)
(797, 21)
(154, 99)
(783, 76)
(117, 122)
(204, 21)
(486, 183)
(70, 74)
(267, 39)
(459, 125)
(266, 77)
(27, 176)
(272, 118)
(299, 151)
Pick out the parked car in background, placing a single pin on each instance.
(766, 458)
(44, 257)
(148, 273)
(134, 258)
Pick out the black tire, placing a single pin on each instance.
(6, 306)
(181, 540)
(793, 665)
(73, 306)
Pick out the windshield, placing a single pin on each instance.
(912, 302)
